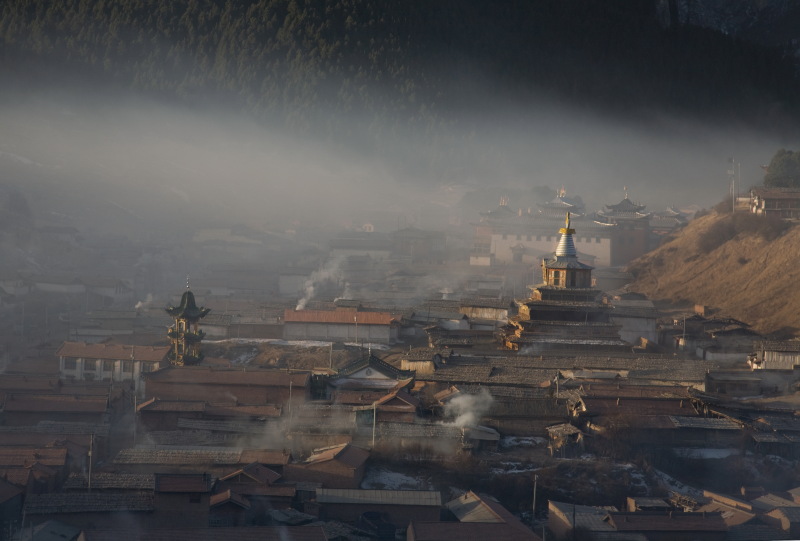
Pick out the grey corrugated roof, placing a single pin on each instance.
(106, 481)
(706, 423)
(41, 504)
(380, 497)
(177, 456)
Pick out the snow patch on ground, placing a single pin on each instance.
(670, 483)
(513, 467)
(687, 452)
(383, 479)
(507, 442)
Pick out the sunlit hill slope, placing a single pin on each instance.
(742, 265)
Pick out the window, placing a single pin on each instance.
(127, 366)
(108, 366)
(70, 364)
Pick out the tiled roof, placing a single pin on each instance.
(251, 533)
(468, 531)
(347, 317)
(256, 472)
(346, 454)
(418, 430)
(182, 482)
(55, 403)
(705, 423)
(380, 497)
(667, 522)
(266, 410)
(112, 351)
(23, 456)
(229, 496)
(56, 427)
(96, 502)
(208, 376)
(156, 404)
(638, 406)
(469, 507)
(111, 481)
(177, 456)
(242, 427)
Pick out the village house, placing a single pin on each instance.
(398, 507)
(775, 355)
(479, 517)
(91, 510)
(117, 363)
(245, 495)
(370, 374)
(228, 386)
(340, 466)
(342, 325)
(779, 202)
(214, 460)
(28, 409)
(181, 500)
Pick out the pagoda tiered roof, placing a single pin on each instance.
(188, 308)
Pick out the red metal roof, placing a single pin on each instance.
(347, 317)
(209, 376)
(55, 403)
(182, 482)
(82, 350)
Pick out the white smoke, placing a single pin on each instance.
(468, 409)
(141, 305)
(330, 271)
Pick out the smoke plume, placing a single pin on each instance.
(468, 409)
(331, 271)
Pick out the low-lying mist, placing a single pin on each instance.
(125, 165)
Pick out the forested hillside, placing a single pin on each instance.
(307, 63)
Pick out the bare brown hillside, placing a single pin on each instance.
(746, 266)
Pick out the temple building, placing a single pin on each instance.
(612, 237)
(185, 335)
(565, 311)
(632, 231)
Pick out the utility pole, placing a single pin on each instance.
(91, 452)
(535, 479)
(374, 415)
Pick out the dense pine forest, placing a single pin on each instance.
(415, 61)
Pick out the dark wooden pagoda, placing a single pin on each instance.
(185, 335)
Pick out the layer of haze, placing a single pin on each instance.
(133, 166)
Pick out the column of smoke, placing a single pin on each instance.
(143, 305)
(468, 409)
(330, 271)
